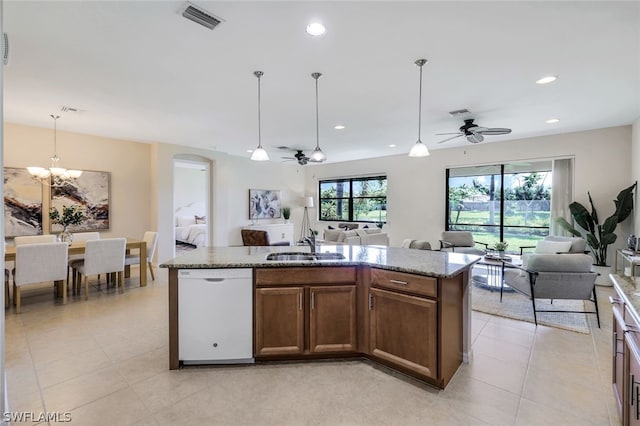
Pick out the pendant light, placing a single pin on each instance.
(317, 155)
(419, 149)
(55, 170)
(259, 154)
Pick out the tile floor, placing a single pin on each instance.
(106, 362)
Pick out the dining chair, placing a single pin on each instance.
(80, 237)
(30, 239)
(102, 256)
(38, 263)
(151, 240)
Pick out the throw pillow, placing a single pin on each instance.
(330, 227)
(201, 220)
(332, 234)
(552, 247)
(366, 226)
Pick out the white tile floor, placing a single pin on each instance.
(106, 361)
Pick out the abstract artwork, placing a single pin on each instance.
(264, 204)
(91, 193)
(22, 203)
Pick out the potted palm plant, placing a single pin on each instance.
(599, 236)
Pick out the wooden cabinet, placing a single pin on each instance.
(304, 311)
(626, 356)
(415, 323)
(279, 320)
(404, 330)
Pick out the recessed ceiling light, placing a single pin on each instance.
(546, 80)
(315, 29)
(393, 145)
(552, 121)
(339, 127)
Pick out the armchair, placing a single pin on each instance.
(254, 237)
(416, 244)
(461, 242)
(554, 276)
(552, 244)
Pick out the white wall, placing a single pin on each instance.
(416, 186)
(635, 174)
(232, 177)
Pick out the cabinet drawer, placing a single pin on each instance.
(401, 281)
(288, 276)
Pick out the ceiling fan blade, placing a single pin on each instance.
(442, 134)
(478, 129)
(496, 131)
(453, 137)
(288, 158)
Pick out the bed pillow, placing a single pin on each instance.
(186, 221)
(201, 220)
(552, 247)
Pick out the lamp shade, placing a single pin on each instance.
(308, 202)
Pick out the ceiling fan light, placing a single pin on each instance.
(36, 171)
(74, 174)
(259, 154)
(318, 156)
(419, 150)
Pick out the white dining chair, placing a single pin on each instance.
(34, 239)
(151, 240)
(80, 237)
(38, 263)
(103, 256)
(30, 239)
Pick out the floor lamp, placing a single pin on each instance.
(306, 225)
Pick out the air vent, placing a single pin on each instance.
(65, 108)
(459, 112)
(5, 49)
(200, 16)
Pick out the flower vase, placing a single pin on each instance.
(501, 254)
(65, 236)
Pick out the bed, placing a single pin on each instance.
(191, 225)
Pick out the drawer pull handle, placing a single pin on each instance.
(398, 282)
(313, 300)
(300, 301)
(370, 301)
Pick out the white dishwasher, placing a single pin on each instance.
(215, 316)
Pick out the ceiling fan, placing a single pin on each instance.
(299, 156)
(475, 133)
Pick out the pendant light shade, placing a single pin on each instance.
(259, 154)
(419, 149)
(317, 155)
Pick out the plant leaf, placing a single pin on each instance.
(594, 213)
(582, 216)
(567, 227)
(624, 203)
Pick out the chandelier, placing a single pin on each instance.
(55, 170)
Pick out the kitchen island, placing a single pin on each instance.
(407, 309)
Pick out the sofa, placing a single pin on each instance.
(367, 236)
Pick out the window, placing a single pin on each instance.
(504, 202)
(361, 199)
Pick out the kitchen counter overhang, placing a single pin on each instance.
(436, 264)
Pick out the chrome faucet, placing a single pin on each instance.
(311, 240)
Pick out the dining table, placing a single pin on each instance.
(79, 248)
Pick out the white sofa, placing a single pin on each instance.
(367, 236)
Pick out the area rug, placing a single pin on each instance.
(517, 306)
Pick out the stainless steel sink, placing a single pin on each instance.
(304, 256)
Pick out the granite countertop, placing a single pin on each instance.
(422, 262)
(629, 288)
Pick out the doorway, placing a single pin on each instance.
(191, 204)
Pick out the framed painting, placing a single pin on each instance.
(90, 192)
(22, 203)
(264, 204)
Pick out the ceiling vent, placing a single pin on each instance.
(200, 16)
(5, 49)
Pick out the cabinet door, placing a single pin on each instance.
(633, 379)
(404, 331)
(618, 355)
(279, 323)
(332, 319)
